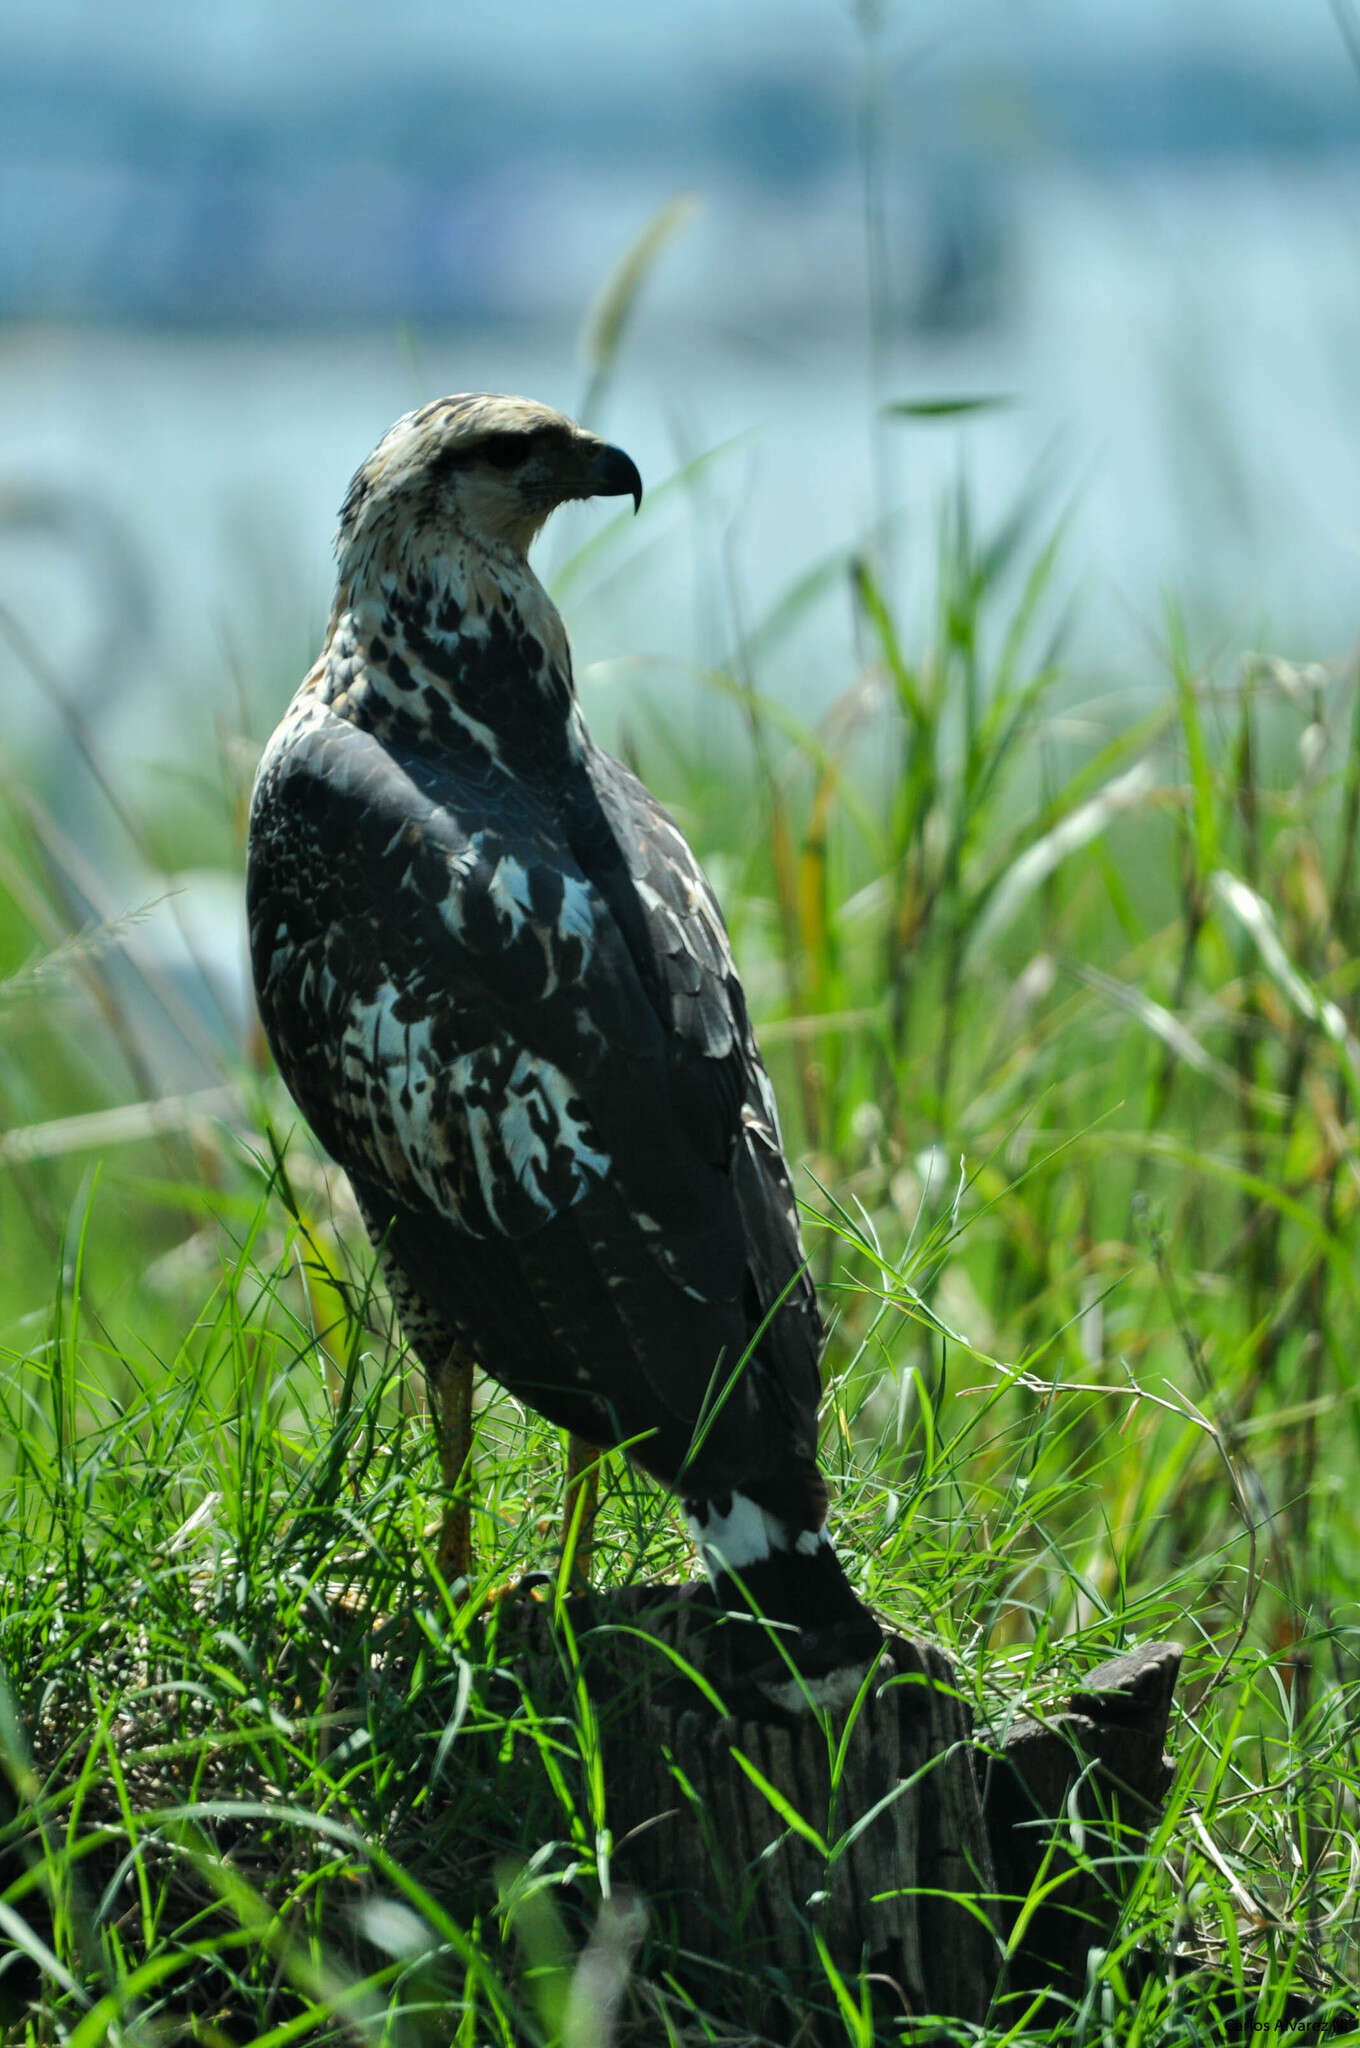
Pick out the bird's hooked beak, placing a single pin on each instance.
(611, 474)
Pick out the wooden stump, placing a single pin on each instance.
(878, 1836)
(888, 1820)
(1071, 1801)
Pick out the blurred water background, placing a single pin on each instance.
(237, 240)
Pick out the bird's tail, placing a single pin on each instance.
(760, 1563)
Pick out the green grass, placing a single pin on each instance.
(1058, 983)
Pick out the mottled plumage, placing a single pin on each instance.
(500, 990)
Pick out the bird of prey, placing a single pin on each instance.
(500, 990)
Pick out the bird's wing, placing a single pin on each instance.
(521, 1024)
(727, 1099)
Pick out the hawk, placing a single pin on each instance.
(500, 990)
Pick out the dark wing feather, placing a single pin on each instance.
(543, 1043)
(728, 1102)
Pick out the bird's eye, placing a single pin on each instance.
(503, 451)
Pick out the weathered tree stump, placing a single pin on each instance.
(1069, 1803)
(880, 1836)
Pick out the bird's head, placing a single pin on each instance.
(479, 467)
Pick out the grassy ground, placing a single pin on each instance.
(1059, 986)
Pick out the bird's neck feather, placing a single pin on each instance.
(454, 629)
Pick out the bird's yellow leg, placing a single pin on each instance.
(451, 1399)
(580, 1506)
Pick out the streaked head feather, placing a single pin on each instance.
(482, 466)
